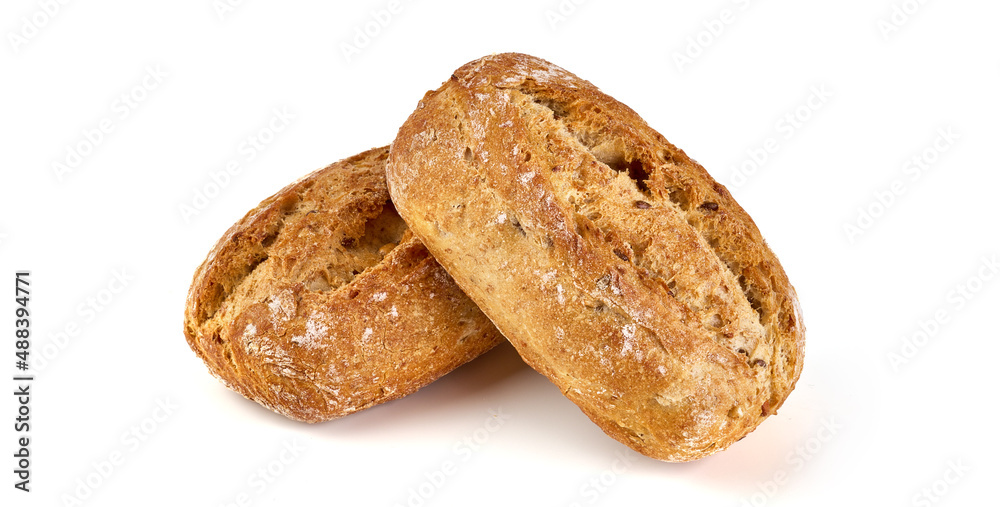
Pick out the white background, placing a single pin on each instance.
(859, 428)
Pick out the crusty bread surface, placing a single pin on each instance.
(612, 261)
(320, 302)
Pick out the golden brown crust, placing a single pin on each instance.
(320, 302)
(612, 261)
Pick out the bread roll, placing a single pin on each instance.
(612, 261)
(320, 302)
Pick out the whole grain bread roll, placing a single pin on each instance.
(612, 261)
(320, 302)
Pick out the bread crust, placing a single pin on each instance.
(612, 261)
(320, 302)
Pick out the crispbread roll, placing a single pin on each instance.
(613, 262)
(320, 302)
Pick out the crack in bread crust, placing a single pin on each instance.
(614, 154)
